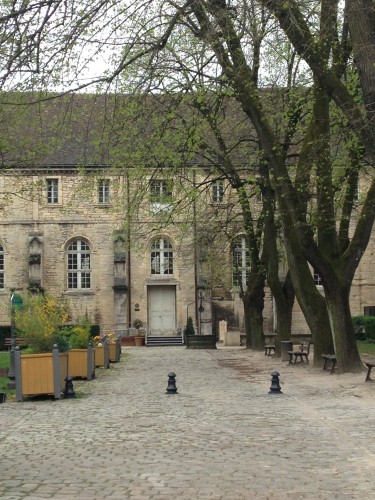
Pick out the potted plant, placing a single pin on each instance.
(43, 366)
(138, 339)
(101, 348)
(197, 341)
(114, 345)
(81, 352)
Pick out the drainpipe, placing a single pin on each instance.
(128, 250)
(195, 260)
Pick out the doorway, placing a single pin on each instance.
(161, 310)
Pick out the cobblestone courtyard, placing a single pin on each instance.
(221, 437)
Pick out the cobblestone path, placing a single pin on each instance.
(221, 437)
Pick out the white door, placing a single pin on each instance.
(161, 310)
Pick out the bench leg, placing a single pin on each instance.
(368, 373)
(333, 366)
(325, 364)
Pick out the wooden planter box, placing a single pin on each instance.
(201, 341)
(81, 363)
(39, 374)
(115, 351)
(139, 340)
(102, 355)
(128, 341)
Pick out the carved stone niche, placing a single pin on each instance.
(120, 287)
(35, 259)
(119, 258)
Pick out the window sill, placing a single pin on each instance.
(159, 207)
(79, 291)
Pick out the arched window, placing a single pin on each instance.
(79, 265)
(241, 262)
(161, 257)
(1, 267)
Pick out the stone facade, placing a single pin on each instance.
(35, 236)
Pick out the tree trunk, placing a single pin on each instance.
(253, 302)
(284, 300)
(312, 303)
(337, 298)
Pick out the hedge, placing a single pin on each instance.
(364, 327)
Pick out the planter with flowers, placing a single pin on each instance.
(81, 352)
(101, 348)
(42, 367)
(114, 346)
(138, 339)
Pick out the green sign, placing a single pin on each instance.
(17, 302)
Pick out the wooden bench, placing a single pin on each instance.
(18, 342)
(269, 349)
(370, 366)
(302, 354)
(332, 359)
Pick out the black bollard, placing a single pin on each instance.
(69, 391)
(275, 384)
(171, 389)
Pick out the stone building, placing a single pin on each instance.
(104, 237)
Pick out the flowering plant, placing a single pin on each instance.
(41, 321)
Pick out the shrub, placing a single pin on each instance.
(79, 335)
(137, 323)
(189, 328)
(364, 327)
(39, 321)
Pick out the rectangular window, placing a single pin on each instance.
(52, 191)
(103, 191)
(240, 263)
(369, 311)
(218, 191)
(317, 279)
(160, 191)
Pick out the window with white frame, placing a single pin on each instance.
(79, 265)
(1, 267)
(104, 191)
(240, 263)
(161, 257)
(218, 191)
(317, 278)
(52, 191)
(160, 191)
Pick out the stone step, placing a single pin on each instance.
(159, 340)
